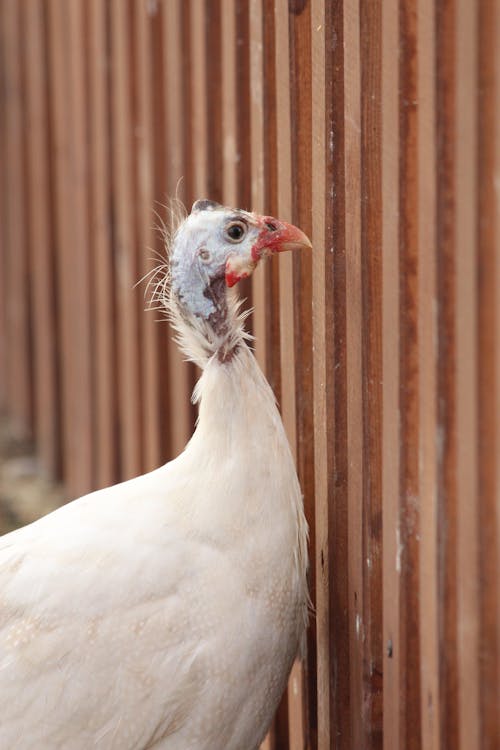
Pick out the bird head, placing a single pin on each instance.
(216, 246)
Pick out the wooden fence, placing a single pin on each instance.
(374, 125)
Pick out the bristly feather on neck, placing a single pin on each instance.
(220, 335)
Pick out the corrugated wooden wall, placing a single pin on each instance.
(374, 125)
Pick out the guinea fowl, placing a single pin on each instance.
(166, 611)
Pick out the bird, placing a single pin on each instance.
(167, 611)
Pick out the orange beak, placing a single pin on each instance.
(275, 237)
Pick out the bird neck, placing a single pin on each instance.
(218, 332)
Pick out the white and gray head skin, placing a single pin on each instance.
(201, 248)
(214, 248)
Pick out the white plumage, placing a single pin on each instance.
(166, 611)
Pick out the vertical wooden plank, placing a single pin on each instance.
(391, 375)
(68, 113)
(16, 267)
(488, 342)
(410, 736)
(260, 276)
(126, 270)
(42, 269)
(105, 367)
(467, 382)
(229, 103)
(287, 327)
(427, 337)
(80, 442)
(3, 214)
(322, 309)
(446, 370)
(198, 122)
(354, 392)
(142, 15)
(371, 260)
(176, 82)
(301, 108)
(340, 664)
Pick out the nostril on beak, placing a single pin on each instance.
(272, 227)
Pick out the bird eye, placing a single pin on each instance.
(235, 231)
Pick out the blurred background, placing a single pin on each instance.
(374, 126)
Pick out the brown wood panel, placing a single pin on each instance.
(427, 340)
(323, 312)
(177, 175)
(353, 368)
(372, 372)
(301, 116)
(391, 567)
(340, 656)
(296, 716)
(126, 267)
(257, 115)
(488, 342)
(100, 229)
(40, 238)
(143, 14)
(446, 371)
(198, 122)
(68, 125)
(410, 734)
(228, 103)
(18, 375)
(466, 376)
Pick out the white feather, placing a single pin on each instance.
(166, 611)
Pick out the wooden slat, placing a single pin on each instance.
(466, 382)
(427, 338)
(105, 367)
(69, 137)
(198, 113)
(488, 342)
(142, 16)
(126, 268)
(353, 291)
(340, 656)
(446, 372)
(229, 103)
(391, 569)
(257, 114)
(287, 325)
(372, 293)
(176, 83)
(410, 735)
(16, 267)
(301, 107)
(322, 308)
(42, 276)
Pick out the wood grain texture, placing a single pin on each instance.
(177, 179)
(467, 377)
(446, 371)
(40, 239)
(18, 361)
(391, 533)
(124, 244)
(427, 338)
(488, 341)
(100, 230)
(372, 367)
